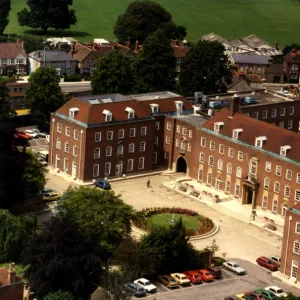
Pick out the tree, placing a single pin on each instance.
(61, 258)
(5, 6)
(142, 18)
(6, 112)
(59, 296)
(288, 48)
(14, 232)
(102, 215)
(214, 247)
(154, 67)
(43, 95)
(112, 74)
(47, 14)
(32, 43)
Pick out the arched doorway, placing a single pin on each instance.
(181, 165)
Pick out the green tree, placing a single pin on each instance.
(154, 67)
(59, 296)
(99, 214)
(14, 232)
(204, 68)
(142, 18)
(43, 95)
(6, 112)
(32, 43)
(288, 48)
(112, 74)
(47, 14)
(5, 6)
(61, 258)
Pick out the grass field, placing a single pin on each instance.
(270, 19)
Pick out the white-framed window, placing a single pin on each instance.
(184, 130)
(108, 151)
(236, 190)
(281, 124)
(296, 248)
(98, 137)
(294, 270)
(220, 164)
(178, 128)
(210, 161)
(278, 170)
(189, 147)
(132, 132)
(297, 227)
(107, 168)
(287, 190)
(121, 134)
(209, 178)
(288, 174)
(275, 206)
(20, 61)
(168, 126)
(58, 70)
(143, 131)
(230, 152)
(155, 142)
(212, 145)
(190, 133)
(200, 175)
(240, 156)
(66, 147)
(238, 172)
(290, 124)
(282, 111)
(76, 134)
(154, 108)
(131, 114)
(298, 178)
(166, 155)
(221, 149)
(75, 150)
(154, 158)
(142, 146)
(130, 165)
(203, 142)
(141, 163)
(58, 144)
(264, 202)
(20, 70)
(229, 168)
(276, 187)
(131, 148)
(156, 125)
(201, 157)
(59, 127)
(227, 187)
(67, 131)
(255, 115)
(167, 139)
(177, 143)
(266, 183)
(66, 164)
(97, 153)
(265, 114)
(297, 195)
(268, 166)
(253, 166)
(96, 170)
(109, 135)
(120, 150)
(274, 113)
(291, 110)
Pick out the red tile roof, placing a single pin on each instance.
(11, 50)
(179, 49)
(253, 128)
(81, 52)
(292, 56)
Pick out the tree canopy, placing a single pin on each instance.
(99, 214)
(47, 14)
(112, 75)
(61, 258)
(154, 67)
(6, 112)
(59, 296)
(288, 48)
(142, 18)
(5, 6)
(43, 95)
(204, 68)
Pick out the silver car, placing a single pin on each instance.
(234, 267)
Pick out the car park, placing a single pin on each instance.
(39, 134)
(168, 281)
(103, 184)
(234, 267)
(267, 294)
(267, 263)
(193, 276)
(32, 133)
(134, 289)
(276, 291)
(181, 278)
(146, 284)
(52, 196)
(276, 259)
(206, 275)
(216, 272)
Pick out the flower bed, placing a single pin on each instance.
(204, 224)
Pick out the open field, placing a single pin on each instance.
(270, 19)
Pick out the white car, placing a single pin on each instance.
(40, 134)
(146, 284)
(181, 278)
(277, 291)
(32, 133)
(234, 267)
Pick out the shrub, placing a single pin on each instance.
(73, 78)
(218, 261)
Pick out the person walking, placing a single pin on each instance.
(148, 183)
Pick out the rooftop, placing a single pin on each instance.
(101, 99)
(155, 96)
(194, 120)
(214, 37)
(250, 58)
(50, 55)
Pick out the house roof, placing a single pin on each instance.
(180, 50)
(255, 42)
(50, 55)
(250, 58)
(12, 50)
(292, 56)
(214, 37)
(253, 128)
(80, 52)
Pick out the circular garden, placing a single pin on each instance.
(158, 217)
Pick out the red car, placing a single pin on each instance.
(256, 296)
(267, 263)
(206, 275)
(22, 135)
(193, 276)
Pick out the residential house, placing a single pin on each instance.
(16, 94)
(13, 59)
(63, 63)
(212, 37)
(274, 73)
(292, 65)
(180, 49)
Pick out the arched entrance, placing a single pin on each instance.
(181, 165)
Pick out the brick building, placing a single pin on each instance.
(291, 63)
(11, 286)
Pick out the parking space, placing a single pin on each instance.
(265, 236)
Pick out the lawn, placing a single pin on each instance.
(270, 19)
(164, 220)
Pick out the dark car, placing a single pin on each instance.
(267, 263)
(231, 298)
(103, 184)
(216, 272)
(256, 296)
(134, 289)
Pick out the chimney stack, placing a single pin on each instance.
(136, 46)
(234, 105)
(11, 273)
(276, 45)
(73, 48)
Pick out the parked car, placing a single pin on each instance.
(33, 134)
(231, 298)
(267, 294)
(42, 161)
(267, 263)
(244, 297)
(234, 267)
(40, 134)
(181, 278)
(168, 281)
(193, 276)
(255, 296)
(51, 196)
(134, 289)
(216, 272)
(103, 184)
(146, 284)
(22, 135)
(276, 259)
(206, 275)
(47, 190)
(276, 291)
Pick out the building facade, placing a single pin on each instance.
(292, 65)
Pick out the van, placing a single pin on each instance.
(216, 272)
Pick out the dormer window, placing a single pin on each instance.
(108, 115)
(217, 126)
(236, 133)
(179, 106)
(72, 112)
(284, 149)
(259, 141)
(154, 108)
(130, 112)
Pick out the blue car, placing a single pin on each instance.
(103, 184)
